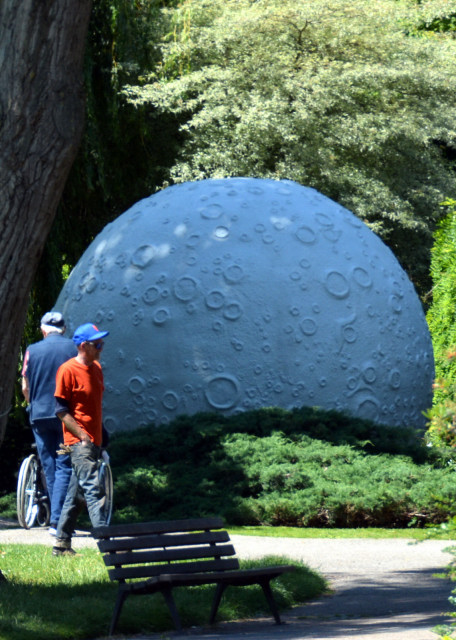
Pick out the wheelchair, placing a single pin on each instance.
(32, 501)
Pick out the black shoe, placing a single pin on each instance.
(60, 551)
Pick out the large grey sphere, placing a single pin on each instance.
(242, 293)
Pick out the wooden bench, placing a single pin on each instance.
(152, 557)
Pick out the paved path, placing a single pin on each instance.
(382, 589)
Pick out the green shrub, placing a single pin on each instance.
(441, 319)
(305, 467)
(441, 314)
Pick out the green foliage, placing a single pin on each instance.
(304, 467)
(441, 432)
(441, 319)
(316, 484)
(335, 96)
(435, 17)
(8, 504)
(40, 588)
(441, 315)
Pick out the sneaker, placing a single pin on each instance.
(52, 531)
(60, 551)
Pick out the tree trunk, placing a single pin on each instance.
(41, 122)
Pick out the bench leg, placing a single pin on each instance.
(271, 602)
(215, 603)
(168, 596)
(121, 595)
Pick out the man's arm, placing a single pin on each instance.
(25, 382)
(26, 389)
(73, 427)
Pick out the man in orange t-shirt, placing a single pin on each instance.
(78, 393)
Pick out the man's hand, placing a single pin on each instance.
(73, 427)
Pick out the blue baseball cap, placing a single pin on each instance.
(87, 333)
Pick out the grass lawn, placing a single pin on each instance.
(48, 598)
(371, 532)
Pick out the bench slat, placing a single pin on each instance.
(162, 540)
(165, 526)
(239, 577)
(158, 556)
(168, 555)
(149, 571)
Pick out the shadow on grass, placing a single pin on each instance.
(31, 609)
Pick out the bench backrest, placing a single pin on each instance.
(149, 549)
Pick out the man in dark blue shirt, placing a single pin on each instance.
(41, 361)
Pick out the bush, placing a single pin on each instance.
(442, 416)
(441, 316)
(305, 467)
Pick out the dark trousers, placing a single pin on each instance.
(84, 477)
(48, 436)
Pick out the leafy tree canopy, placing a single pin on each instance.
(435, 16)
(343, 97)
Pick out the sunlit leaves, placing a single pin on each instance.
(333, 95)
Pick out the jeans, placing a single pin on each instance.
(48, 436)
(84, 462)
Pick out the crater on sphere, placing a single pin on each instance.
(223, 295)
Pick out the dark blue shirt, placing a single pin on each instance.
(44, 358)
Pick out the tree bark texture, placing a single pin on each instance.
(41, 122)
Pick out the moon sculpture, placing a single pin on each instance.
(239, 293)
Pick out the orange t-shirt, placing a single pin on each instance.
(81, 387)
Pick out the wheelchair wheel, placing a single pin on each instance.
(31, 500)
(107, 490)
(43, 515)
(27, 505)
